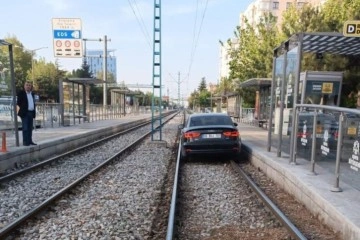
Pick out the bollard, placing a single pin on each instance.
(3, 146)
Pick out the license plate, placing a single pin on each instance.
(213, 135)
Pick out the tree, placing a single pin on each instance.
(22, 61)
(96, 91)
(46, 79)
(193, 100)
(306, 19)
(83, 72)
(225, 86)
(202, 85)
(251, 56)
(110, 76)
(46, 75)
(330, 18)
(204, 99)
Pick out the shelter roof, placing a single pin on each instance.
(84, 80)
(256, 82)
(324, 42)
(4, 43)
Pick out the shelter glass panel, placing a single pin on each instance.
(73, 101)
(6, 103)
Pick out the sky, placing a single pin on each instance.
(190, 34)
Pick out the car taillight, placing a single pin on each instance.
(231, 134)
(189, 135)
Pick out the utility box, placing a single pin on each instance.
(323, 88)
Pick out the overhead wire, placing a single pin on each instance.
(196, 38)
(141, 22)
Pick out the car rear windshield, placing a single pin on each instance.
(210, 120)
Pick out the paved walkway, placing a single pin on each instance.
(45, 135)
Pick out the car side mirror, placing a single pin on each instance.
(235, 124)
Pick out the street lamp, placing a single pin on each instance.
(13, 90)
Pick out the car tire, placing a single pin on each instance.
(239, 157)
(183, 156)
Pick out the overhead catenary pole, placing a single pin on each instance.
(178, 89)
(156, 78)
(105, 71)
(178, 81)
(105, 39)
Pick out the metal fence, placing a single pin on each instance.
(51, 115)
(326, 136)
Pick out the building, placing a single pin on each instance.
(254, 12)
(258, 8)
(95, 59)
(225, 58)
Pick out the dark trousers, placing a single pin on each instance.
(27, 127)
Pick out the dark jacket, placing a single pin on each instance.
(22, 102)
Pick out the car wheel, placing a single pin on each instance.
(239, 157)
(183, 156)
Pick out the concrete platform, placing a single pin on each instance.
(340, 210)
(58, 140)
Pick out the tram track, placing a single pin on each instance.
(38, 187)
(214, 202)
(130, 199)
(218, 199)
(31, 165)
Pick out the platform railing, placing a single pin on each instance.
(50, 114)
(326, 136)
(247, 115)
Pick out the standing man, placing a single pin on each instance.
(26, 103)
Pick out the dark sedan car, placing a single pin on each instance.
(210, 133)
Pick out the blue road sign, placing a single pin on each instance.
(67, 34)
(67, 37)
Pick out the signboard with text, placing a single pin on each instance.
(351, 29)
(67, 37)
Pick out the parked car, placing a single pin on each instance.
(210, 133)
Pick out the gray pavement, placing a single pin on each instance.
(57, 140)
(340, 210)
(44, 135)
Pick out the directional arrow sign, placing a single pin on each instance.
(67, 34)
(67, 37)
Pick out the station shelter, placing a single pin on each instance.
(74, 96)
(292, 84)
(125, 98)
(262, 99)
(258, 115)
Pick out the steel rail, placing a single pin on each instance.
(172, 212)
(294, 231)
(16, 223)
(12, 175)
